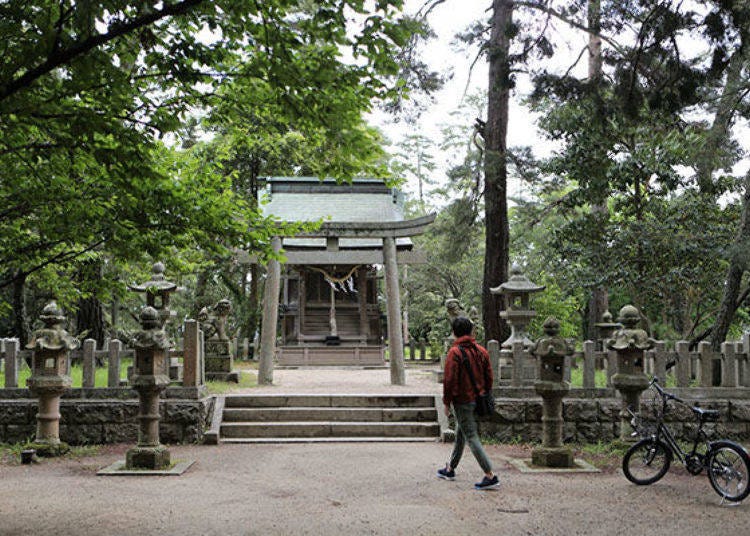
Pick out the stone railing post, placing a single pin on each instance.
(683, 363)
(245, 349)
(2, 355)
(611, 366)
(589, 364)
(201, 358)
(493, 348)
(89, 364)
(728, 364)
(190, 361)
(660, 361)
(518, 357)
(706, 357)
(11, 363)
(113, 365)
(743, 368)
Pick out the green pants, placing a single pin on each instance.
(466, 432)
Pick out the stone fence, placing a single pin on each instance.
(702, 367)
(96, 415)
(716, 380)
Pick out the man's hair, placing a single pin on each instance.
(462, 326)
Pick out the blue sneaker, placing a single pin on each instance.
(446, 474)
(488, 483)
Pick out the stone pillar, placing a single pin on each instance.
(551, 352)
(683, 363)
(113, 365)
(302, 305)
(630, 344)
(395, 341)
(493, 348)
(364, 325)
(270, 318)
(11, 363)
(706, 357)
(191, 354)
(50, 378)
(589, 365)
(150, 378)
(729, 364)
(89, 363)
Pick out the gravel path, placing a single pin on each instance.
(352, 489)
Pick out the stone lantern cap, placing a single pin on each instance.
(629, 337)
(607, 322)
(157, 284)
(52, 336)
(553, 345)
(152, 334)
(517, 284)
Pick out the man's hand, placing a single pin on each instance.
(447, 410)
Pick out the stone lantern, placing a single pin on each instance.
(551, 351)
(150, 377)
(629, 344)
(158, 286)
(606, 328)
(516, 293)
(50, 377)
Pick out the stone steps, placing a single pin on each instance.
(305, 418)
(329, 414)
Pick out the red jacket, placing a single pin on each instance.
(456, 381)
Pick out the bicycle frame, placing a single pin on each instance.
(664, 434)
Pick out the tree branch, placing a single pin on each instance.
(572, 23)
(58, 58)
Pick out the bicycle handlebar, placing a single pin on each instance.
(668, 396)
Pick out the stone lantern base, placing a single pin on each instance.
(220, 362)
(552, 457)
(148, 458)
(49, 449)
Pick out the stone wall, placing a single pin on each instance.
(100, 421)
(592, 420)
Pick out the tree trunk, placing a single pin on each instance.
(495, 169)
(735, 271)
(90, 314)
(599, 299)
(90, 318)
(718, 136)
(20, 320)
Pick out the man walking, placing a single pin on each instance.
(468, 373)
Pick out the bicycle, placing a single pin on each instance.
(727, 463)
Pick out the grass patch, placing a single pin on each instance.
(248, 380)
(10, 453)
(101, 374)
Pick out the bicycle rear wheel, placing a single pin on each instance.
(646, 462)
(729, 470)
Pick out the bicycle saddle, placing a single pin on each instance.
(707, 414)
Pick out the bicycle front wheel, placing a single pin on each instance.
(646, 462)
(729, 470)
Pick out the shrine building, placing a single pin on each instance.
(330, 312)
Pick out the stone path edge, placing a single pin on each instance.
(116, 469)
(524, 466)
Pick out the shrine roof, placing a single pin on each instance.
(310, 199)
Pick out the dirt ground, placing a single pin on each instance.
(349, 488)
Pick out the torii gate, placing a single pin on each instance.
(388, 232)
